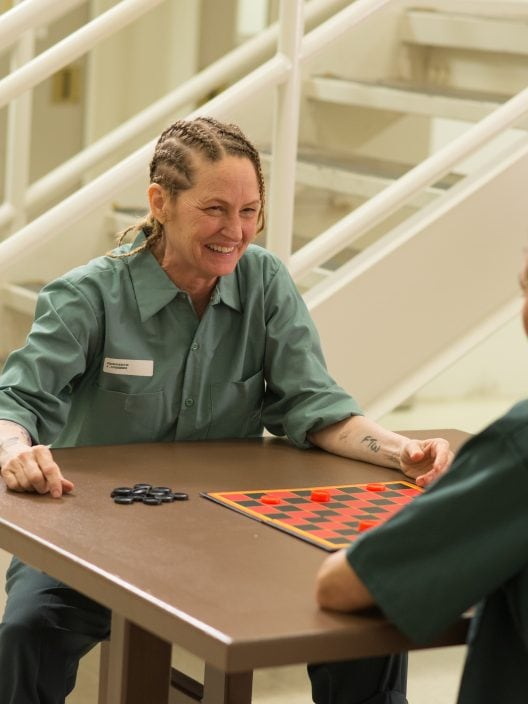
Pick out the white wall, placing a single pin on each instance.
(499, 366)
(496, 368)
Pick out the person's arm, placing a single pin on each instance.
(339, 588)
(27, 467)
(363, 439)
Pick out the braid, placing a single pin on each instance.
(173, 163)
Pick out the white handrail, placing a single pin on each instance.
(249, 54)
(29, 15)
(396, 194)
(107, 185)
(104, 187)
(285, 137)
(271, 73)
(72, 46)
(337, 25)
(18, 147)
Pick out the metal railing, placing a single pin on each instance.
(380, 206)
(30, 15)
(57, 182)
(280, 72)
(275, 73)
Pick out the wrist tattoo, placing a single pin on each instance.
(372, 443)
(8, 442)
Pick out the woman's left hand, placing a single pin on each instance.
(425, 460)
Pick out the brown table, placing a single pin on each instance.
(236, 593)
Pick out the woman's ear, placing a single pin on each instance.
(157, 198)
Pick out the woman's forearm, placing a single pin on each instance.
(363, 439)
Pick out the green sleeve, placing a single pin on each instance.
(300, 393)
(37, 380)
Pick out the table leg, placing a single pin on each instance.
(223, 688)
(139, 665)
(218, 688)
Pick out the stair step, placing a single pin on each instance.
(361, 177)
(457, 30)
(22, 297)
(455, 104)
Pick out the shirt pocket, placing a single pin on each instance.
(115, 417)
(236, 408)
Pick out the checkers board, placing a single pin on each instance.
(330, 517)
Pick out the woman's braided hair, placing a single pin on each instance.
(172, 165)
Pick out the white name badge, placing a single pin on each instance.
(132, 367)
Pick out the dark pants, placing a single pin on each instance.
(380, 680)
(47, 628)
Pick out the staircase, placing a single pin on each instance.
(417, 286)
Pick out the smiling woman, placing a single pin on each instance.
(208, 227)
(206, 200)
(190, 332)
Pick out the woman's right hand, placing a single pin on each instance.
(32, 468)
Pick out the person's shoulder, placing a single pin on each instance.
(260, 262)
(99, 274)
(260, 256)
(515, 421)
(509, 430)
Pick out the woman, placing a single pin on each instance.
(188, 333)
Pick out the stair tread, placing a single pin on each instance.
(368, 166)
(429, 90)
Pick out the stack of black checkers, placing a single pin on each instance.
(146, 494)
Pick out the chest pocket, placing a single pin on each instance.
(236, 408)
(116, 417)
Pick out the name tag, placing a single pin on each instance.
(132, 367)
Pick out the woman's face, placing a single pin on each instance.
(209, 226)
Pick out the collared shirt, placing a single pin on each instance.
(117, 354)
(464, 540)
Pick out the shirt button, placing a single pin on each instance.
(189, 402)
(194, 346)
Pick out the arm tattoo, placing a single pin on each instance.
(372, 443)
(13, 434)
(7, 442)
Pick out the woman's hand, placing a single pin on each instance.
(32, 468)
(425, 460)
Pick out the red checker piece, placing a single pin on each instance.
(270, 500)
(376, 487)
(320, 495)
(367, 525)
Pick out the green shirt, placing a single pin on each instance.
(464, 541)
(117, 354)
